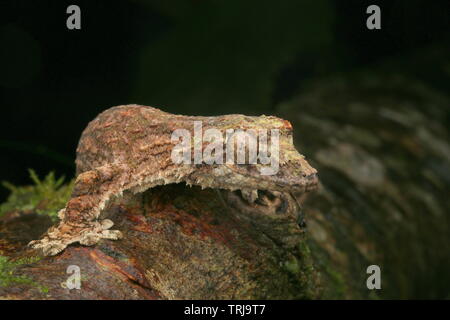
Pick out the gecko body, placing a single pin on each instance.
(130, 148)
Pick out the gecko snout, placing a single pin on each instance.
(312, 181)
(307, 183)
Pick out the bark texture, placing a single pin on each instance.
(179, 243)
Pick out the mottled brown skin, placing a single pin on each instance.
(128, 149)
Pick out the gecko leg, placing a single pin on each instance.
(80, 218)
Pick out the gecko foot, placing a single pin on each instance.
(58, 238)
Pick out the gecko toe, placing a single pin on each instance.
(89, 239)
(112, 234)
(106, 224)
(35, 244)
(249, 195)
(53, 248)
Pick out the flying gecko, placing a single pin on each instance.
(130, 148)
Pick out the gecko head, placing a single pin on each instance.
(261, 166)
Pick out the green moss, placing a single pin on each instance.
(8, 276)
(46, 196)
(334, 282)
(303, 266)
(337, 283)
(305, 253)
(292, 265)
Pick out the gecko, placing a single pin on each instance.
(129, 148)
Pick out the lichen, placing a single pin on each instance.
(46, 196)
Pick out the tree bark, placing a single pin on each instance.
(179, 243)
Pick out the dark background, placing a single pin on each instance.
(198, 57)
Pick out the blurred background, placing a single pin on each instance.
(195, 57)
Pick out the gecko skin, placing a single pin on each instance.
(128, 148)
